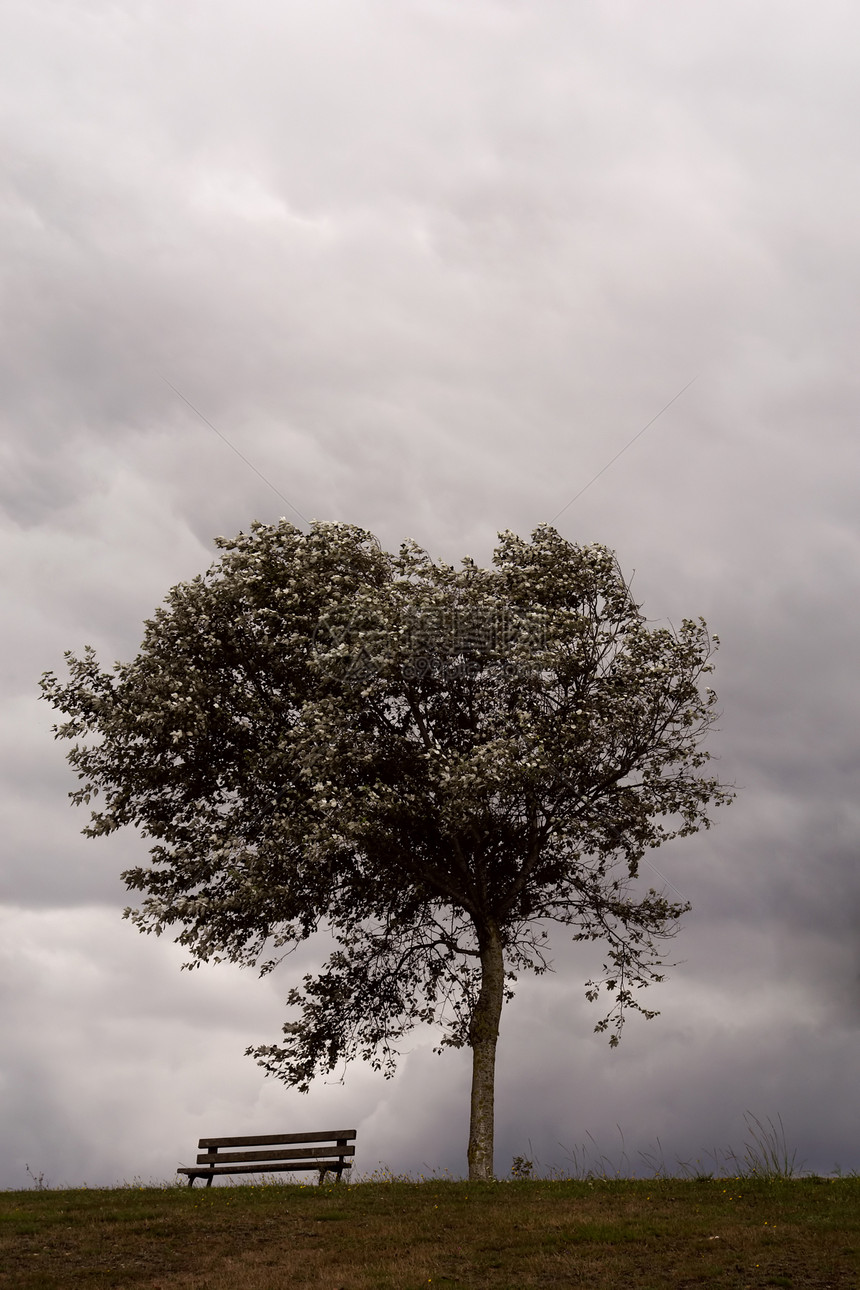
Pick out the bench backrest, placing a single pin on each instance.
(326, 1151)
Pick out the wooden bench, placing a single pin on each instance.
(288, 1158)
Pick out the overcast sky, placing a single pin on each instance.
(429, 265)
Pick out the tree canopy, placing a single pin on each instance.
(432, 764)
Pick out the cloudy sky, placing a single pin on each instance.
(429, 265)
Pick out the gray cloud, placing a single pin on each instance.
(429, 267)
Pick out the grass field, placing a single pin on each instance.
(396, 1235)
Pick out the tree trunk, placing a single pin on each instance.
(483, 1035)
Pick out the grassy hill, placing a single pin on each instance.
(398, 1235)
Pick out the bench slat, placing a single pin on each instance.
(271, 1139)
(308, 1153)
(191, 1172)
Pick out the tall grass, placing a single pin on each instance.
(765, 1155)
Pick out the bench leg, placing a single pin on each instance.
(209, 1180)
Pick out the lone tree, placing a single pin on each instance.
(427, 763)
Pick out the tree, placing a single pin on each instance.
(429, 764)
